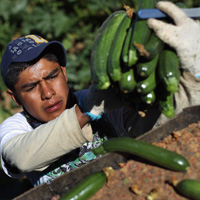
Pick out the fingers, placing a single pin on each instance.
(166, 32)
(156, 25)
(173, 11)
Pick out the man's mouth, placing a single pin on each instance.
(53, 107)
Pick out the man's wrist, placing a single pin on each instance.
(82, 118)
(85, 111)
(92, 116)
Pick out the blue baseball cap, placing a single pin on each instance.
(28, 48)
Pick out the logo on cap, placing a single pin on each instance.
(37, 39)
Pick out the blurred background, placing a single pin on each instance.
(75, 23)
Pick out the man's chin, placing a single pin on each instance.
(52, 116)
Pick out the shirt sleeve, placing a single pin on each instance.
(36, 149)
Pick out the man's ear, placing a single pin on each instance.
(13, 96)
(64, 72)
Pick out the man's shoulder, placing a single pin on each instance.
(12, 126)
(82, 92)
(17, 119)
(16, 116)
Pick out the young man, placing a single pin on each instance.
(53, 134)
(57, 128)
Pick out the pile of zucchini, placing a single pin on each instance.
(167, 159)
(156, 155)
(129, 56)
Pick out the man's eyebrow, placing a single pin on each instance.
(29, 84)
(35, 83)
(51, 73)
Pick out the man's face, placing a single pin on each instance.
(42, 90)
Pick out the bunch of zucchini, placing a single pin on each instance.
(128, 55)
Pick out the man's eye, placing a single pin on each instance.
(29, 89)
(54, 76)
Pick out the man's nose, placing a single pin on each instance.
(47, 91)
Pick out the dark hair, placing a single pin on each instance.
(15, 69)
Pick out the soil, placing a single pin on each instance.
(143, 181)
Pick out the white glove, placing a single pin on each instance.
(96, 102)
(184, 36)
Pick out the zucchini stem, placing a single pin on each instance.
(99, 151)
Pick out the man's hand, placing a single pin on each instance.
(96, 102)
(183, 36)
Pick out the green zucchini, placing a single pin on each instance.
(86, 188)
(128, 55)
(144, 69)
(141, 30)
(168, 70)
(157, 155)
(166, 106)
(114, 61)
(101, 48)
(189, 188)
(148, 98)
(147, 85)
(127, 82)
(153, 46)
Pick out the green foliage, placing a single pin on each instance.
(4, 114)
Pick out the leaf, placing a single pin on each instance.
(61, 23)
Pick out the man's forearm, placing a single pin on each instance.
(45, 144)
